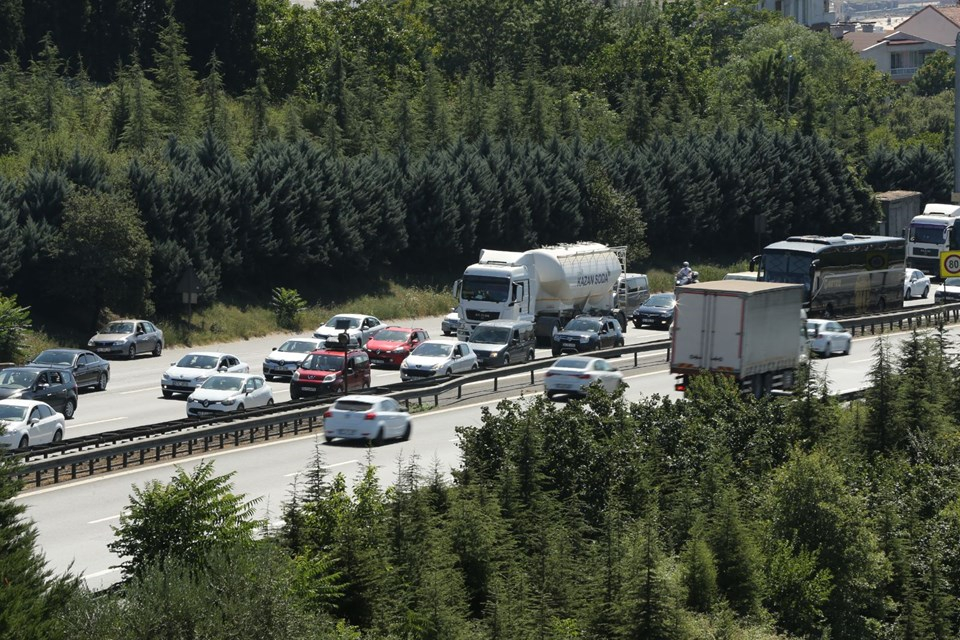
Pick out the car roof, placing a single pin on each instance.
(360, 398)
(442, 341)
(585, 359)
(399, 328)
(208, 353)
(359, 316)
(67, 350)
(24, 403)
(234, 374)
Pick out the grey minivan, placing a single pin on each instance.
(502, 342)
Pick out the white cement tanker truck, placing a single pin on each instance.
(549, 286)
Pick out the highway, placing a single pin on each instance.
(74, 520)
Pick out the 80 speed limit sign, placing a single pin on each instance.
(949, 264)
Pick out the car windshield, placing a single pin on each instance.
(297, 346)
(583, 324)
(223, 383)
(571, 363)
(353, 405)
(8, 412)
(17, 378)
(491, 335)
(951, 282)
(322, 362)
(341, 323)
(197, 361)
(54, 356)
(393, 335)
(118, 327)
(660, 300)
(433, 350)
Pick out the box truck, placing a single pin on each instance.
(547, 286)
(752, 331)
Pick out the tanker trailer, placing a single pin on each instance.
(547, 286)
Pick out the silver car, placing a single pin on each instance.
(438, 357)
(285, 359)
(127, 338)
(356, 325)
(193, 369)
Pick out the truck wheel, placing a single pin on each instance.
(622, 319)
(756, 386)
(882, 305)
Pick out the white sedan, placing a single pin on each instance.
(438, 357)
(572, 375)
(915, 283)
(355, 325)
(227, 392)
(193, 369)
(285, 359)
(827, 337)
(372, 418)
(27, 422)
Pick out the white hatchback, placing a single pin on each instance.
(571, 375)
(827, 337)
(372, 418)
(357, 326)
(193, 369)
(915, 284)
(286, 358)
(438, 357)
(27, 422)
(227, 392)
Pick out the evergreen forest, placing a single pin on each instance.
(713, 516)
(262, 144)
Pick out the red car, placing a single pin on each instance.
(322, 371)
(391, 345)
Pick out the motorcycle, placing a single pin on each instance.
(693, 278)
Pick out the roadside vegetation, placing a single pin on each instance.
(716, 515)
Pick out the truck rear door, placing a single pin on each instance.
(726, 333)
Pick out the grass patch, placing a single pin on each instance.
(224, 323)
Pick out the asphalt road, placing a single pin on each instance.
(74, 520)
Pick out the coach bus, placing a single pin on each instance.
(844, 275)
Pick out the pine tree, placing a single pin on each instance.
(47, 88)
(174, 80)
(214, 100)
(699, 572)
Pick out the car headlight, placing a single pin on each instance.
(434, 367)
(399, 350)
(165, 377)
(119, 343)
(584, 338)
(228, 402)
(330, 378)
(296, 375)
(90, 343)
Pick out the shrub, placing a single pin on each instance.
(287, 304)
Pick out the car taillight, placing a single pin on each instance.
(679, 387)
(328, 414)
(548, 374)
(370, 416)
(584, 376)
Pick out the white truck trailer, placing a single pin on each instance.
(547, 286)
(753, 331)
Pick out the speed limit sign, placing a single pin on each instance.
(949, 264)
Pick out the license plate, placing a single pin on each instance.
(378, 361)
(345, 432)
(103, 349)
(204, 412)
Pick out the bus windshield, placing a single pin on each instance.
(928, 233)
(485, 289)
(783, 266)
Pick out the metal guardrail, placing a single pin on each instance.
(84, 456)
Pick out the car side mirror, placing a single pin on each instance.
(221, 368)
(34, 421)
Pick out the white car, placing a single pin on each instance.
(285, 359)
(357, 326)
(438, 357)
(27, 422)
(948, 291)
(226, 392)
(373, 418)
(571, 375)
(827, 337)
(193, 369)
(915, 283)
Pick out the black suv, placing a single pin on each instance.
(57, 387)
(587, 333)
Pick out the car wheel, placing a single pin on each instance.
(157, 349)
(378, 439)
(531, 355)
(637, 324)
(270, 402)
(57, 435)
(550, 395)
(69, 408)
(846, 351)
(240, 407)
(908, 293)
(828, 350)
(132, 352)
(167, 394)
(102, 382)
(24, 443)
(294, 394)
(555, 352)
(475, 367)
(621, 342)
(506, 360)
(327, 439)
(406, 432)
(926, 291)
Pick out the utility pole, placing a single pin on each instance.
(955, 196)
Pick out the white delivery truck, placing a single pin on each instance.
(547, 286)
(931, 232)
(753, 331)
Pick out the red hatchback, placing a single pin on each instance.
(322, 372)
(390, 346)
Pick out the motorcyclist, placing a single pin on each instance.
(685, 274)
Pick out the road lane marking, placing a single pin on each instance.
(326, 466)
(100, 574)
(116, 517)
(87, 424)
